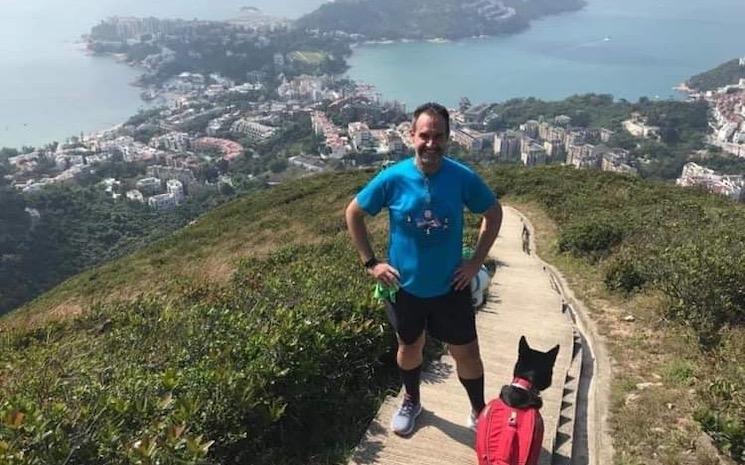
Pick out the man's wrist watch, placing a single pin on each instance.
(371, 263)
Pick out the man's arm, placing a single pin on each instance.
(490, 225)
(355, 217)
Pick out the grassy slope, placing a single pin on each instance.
(284, 342)
(208, 250)
(196, 265)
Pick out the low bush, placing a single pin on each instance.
(592, 237)
(285, 365)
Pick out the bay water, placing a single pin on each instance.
(50, 89)
(628, 48)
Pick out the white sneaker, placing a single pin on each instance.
(404, 419)
(472, 421)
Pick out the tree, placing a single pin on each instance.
(278, 165)
(7, 152)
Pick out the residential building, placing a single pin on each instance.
(149, 185)
(252, 130)
(361, 137)
(554, 148)
(135, 196)
(730, 185)
(472, 139)
(617, 160)
(162, 201)
(530, 128)
(507, 145)
(605, 135)
(173, 141)
(637, 126)
(583, 156)
(533, 154)
(392, 142)
(575, 137)
(229, 149)
(186, 176)
(308, 163)
(176, 189)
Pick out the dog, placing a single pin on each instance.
(510, 428)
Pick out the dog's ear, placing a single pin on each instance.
(524, 347)
(553, 352)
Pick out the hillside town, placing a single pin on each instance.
(727, 124)
(275, 123)
(213, 121)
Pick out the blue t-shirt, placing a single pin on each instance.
(426, 220)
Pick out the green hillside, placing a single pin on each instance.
(251, 336)
(419, 19)
(725, 74)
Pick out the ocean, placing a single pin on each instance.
(50, 89)
(629, 48)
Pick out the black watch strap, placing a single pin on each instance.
(371, 263)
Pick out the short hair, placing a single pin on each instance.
(433, 109)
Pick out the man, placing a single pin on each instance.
(425, 196)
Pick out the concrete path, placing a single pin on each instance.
(522, 301)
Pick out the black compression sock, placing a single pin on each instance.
(475, 390)
(410, 380)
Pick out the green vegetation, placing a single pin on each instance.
(650, 241)
(721, 163)
(589, 110)
(290, 327)
(291, 346)
(725, 74)
(419, 19)
(683, 126)
(79, 227)
(281, 366)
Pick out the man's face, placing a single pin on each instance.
(430, 137)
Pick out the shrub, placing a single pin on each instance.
(591, 237)
(704, 282)
(625, 274)
(283, 366)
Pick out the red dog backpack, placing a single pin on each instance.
(508, 436)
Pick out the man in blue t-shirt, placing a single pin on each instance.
(425, 196)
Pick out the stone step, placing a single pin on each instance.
(563, 446)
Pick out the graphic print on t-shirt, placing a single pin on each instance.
(429, 221)
(431, 227)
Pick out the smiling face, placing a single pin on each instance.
(430, 136)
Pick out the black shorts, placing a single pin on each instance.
(449, 318)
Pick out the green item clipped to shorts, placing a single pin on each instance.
(383, 292)
(467, 252)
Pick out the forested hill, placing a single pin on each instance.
(430, 19)
(725, 74)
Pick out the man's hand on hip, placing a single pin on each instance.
(464, 274)
(385, 274)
